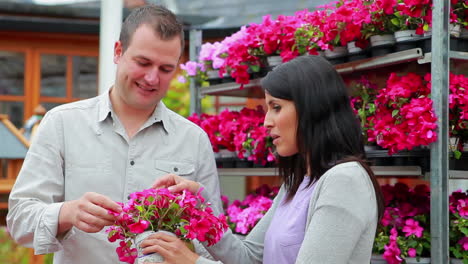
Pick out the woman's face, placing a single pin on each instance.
(281, 121)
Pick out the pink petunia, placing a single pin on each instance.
(412, 228)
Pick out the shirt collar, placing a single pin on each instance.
(104, 107)
(159, 115)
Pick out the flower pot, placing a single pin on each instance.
(226, 159)
(337, 55)
(377, 259)
(212, 74)
(243, 163)
(459, 164)
(213, 77)
(336, 52)
(274, 61)
(457, 43)
(405, 35)
(150, 258)
(382, 40)
(382, 44)
(352, 49)
(454, 30)
(463, 40)
(415, 261)
(355, 53)
(406, 39)
(456, 261)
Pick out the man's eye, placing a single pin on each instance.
(166, 70)
(142, 63)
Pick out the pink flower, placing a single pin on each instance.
(139, 227)
(412, 252)
(464, 243)
(412, 228)
(125, 253)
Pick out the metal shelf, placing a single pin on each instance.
(457, 174)
(381, 171)
(457, 55)
(381, 61)
(254, 90)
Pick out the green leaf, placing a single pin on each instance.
(255, 68)
(395, 21)
(464, 230)
(426, 27)
(395, 112)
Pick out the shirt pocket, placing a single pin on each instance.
(178, 168)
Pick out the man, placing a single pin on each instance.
(88, 155)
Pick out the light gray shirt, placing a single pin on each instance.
(340, 226)
(82, 147)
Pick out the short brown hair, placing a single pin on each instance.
(165, 24)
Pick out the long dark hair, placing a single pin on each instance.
(328, 131)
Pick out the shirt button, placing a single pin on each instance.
(132, 162)
(176, 169)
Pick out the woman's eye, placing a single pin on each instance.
(276, 107)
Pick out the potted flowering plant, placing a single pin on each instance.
(183, 214)
(458, 113)
(458, 233)
(404, 117)
(403, 232)
(244, 215)
(193, 69)
(363, 95)
(238, 133)
(380, 30)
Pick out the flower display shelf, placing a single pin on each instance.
(253, 89)
(381, 61)
(381, 171)
(458, 55)
(416, 157)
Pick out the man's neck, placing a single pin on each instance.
(131, 118)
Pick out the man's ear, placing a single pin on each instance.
(118, 51)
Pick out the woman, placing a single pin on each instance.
(330, 202)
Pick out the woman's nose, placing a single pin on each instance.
(268, 123)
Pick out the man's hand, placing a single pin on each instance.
(89, 213)
(176, 183)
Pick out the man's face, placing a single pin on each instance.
(145, 69)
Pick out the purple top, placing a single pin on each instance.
(285, 234)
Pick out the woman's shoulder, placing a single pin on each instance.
(346, 176)
(347, 169)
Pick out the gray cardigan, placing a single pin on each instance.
(340, 228)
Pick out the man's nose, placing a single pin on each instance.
(152, 76)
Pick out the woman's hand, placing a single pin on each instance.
(176, 183)
(174, 250)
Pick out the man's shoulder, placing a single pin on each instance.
(180, 122)
(85, 104)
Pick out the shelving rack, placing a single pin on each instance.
(439, 172)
